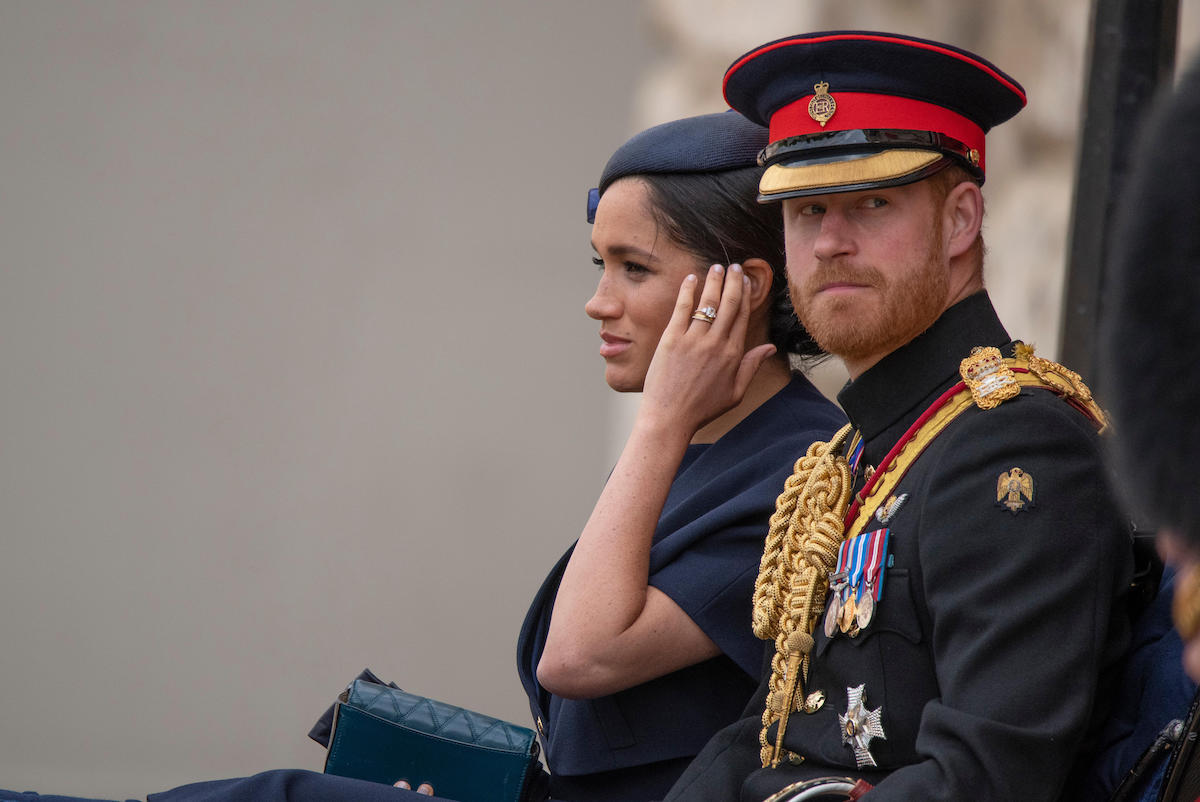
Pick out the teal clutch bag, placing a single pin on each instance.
(384, 734)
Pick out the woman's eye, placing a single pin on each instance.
(630, 267)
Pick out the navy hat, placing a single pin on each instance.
(852, 110)
(710, 143)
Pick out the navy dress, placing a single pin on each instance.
(633, 745)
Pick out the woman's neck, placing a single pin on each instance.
(771, 377)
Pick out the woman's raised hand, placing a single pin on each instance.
(701, 369)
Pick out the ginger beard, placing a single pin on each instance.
(895, 308)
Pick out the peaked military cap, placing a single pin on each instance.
(709, 143)
(851, 110)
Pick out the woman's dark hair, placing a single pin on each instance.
(715, 216)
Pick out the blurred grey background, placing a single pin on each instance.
(294, 371)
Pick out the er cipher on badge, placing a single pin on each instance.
(822, 106)
(856, 585)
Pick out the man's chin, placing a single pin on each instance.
(846, 348)
(845, 337)
(834, 324)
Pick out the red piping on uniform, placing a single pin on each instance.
(885, 464)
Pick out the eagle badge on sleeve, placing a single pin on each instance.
(1014, 490)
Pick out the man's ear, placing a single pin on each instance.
(761, 278)
(963, 218)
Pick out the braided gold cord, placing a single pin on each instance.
(801, 549)
(1064, 381)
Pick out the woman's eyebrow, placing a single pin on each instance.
(621, 251)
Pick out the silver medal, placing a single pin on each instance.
(866, 608)
(831, 617)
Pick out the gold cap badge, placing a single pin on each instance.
(822, 106)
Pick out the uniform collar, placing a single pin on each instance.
(894, 391)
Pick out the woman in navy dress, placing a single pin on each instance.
(638, 646)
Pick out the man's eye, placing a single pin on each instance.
(875, 203)
(810, 209)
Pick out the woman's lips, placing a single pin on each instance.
(612, 345)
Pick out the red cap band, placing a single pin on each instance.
(859, 110)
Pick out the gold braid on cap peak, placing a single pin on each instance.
(806, 531)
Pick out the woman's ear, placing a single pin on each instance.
(762, 277)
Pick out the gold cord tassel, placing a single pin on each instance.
(805, 533)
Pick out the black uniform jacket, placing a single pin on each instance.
(995, 640)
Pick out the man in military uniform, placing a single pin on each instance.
(943, 583)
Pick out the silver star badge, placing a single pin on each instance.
(859, 726)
